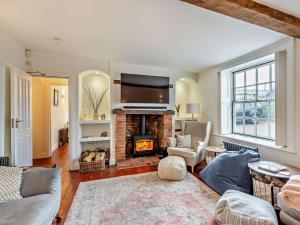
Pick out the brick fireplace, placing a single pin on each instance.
(129, 126)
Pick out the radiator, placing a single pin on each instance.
(230, 146)
(4, 161)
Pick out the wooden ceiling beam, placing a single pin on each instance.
(255, 13)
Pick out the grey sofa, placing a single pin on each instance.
(41, 191)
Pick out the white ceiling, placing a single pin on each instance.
(288, 6)
(166, 33)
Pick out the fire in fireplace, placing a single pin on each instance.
(143, 144)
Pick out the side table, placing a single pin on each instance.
(266, 184)
(212, 152)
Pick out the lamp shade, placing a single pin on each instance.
(192, 108)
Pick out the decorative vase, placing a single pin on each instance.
(96, 116)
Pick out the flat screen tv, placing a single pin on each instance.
(144, 89)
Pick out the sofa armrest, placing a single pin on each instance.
(172, 142)
(38, 181)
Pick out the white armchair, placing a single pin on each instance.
(200, 132)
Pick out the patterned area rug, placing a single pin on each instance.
(143, 199)
(138, 162)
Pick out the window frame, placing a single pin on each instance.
(245, 86)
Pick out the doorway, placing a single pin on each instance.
(50, 117)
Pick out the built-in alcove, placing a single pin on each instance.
(94, 108)
(94, 91)
(186, 91)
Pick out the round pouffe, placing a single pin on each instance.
(172, 168)
(237, 208)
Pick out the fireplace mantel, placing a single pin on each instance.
(143, 112)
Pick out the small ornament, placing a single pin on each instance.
(104, 134)
(103, 116)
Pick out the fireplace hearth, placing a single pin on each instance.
(141, 133)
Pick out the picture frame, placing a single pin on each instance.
(55, 97)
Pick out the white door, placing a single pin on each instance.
(21, 111)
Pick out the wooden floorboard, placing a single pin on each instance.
(72, 179)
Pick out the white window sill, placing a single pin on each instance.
(255, 141)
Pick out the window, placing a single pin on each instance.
(253, 103)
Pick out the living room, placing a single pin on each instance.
(189, 104)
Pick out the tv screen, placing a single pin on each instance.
(144, 89)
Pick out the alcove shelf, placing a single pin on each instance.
(94, 139)
(85, 122)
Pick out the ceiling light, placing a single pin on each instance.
(57, 40)
(182, 79)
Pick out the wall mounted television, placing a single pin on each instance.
(144, 89)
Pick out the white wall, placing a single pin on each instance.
(72, 66)
(208, 86)
(59, 114)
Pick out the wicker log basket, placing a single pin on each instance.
(92, 161)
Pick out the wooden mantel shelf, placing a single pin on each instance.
(144, 112)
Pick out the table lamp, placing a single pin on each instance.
(192, 108)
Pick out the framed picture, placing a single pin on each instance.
(55, 97)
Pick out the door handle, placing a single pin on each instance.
(17, 122)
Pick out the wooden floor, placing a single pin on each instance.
(71, 179)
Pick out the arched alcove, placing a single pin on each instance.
(186, 91)
(94, 100)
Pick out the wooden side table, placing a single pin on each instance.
(263, 180)
(212, 152)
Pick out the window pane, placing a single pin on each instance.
(272, 96)
(251, 77)
(273, 72)
(263, 128)
(250, 118)
(263, 74)
(272, 120)
(239, 79)
(240, 94)
(262, 110)
(251, 93)
(238, 125)
(238, 110)
(264, 92)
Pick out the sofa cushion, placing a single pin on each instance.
(172, 168)
(37, 181)
(229, 170)
(237, 208)
(35, 210)
(10, 183)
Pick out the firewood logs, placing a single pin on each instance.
(92, 156)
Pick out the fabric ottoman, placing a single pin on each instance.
(235, 208)
(172, 168)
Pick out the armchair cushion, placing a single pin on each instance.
(184, 141)
(183, 152)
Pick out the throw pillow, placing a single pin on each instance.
(10, 183)
(184, 141)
